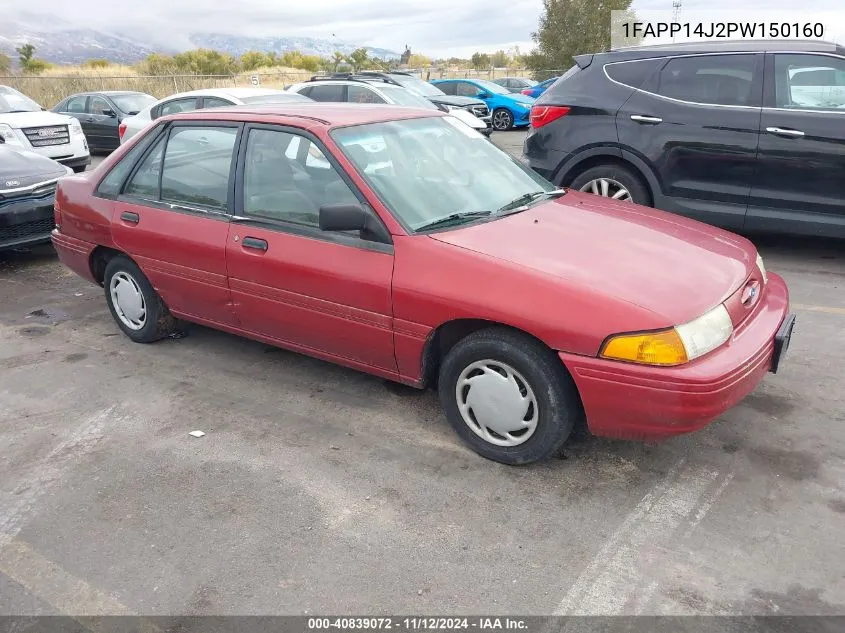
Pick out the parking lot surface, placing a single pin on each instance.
(317, 489)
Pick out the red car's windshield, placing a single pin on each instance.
(428, 168)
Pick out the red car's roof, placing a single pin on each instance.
(328, 114)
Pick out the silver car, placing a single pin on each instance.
(201, 99)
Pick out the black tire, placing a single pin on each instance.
(502, 119)
(621, 174)
(159, 323)
(558, 404)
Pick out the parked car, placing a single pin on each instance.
(508, 110)
(515, 84)
(368, 237)
(25, 125)
(746, 135)
(357, 89)
(101, 113)
(27, 188)
(540, 88)
(201, 99)
(434, 94)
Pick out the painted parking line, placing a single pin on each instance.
(625, 573)
(45, 579)
(824, 309)
(66, 593)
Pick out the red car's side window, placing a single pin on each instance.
(287, 178)
(192, 169)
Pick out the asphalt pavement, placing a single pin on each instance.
(317, 489)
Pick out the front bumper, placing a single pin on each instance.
(628, 401)
(25, 223)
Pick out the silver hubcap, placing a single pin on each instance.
(608, 188)
(501, 120)
(128, 301)
(497, 403)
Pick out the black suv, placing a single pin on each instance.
(747, 135)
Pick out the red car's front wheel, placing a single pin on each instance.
(508, 396)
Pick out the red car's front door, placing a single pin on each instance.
(317, 291)
(173, 219)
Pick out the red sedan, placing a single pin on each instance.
(402, 243)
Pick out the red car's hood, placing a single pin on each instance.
(670, 265)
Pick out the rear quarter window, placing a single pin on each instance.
(633, 73)
(111, 185)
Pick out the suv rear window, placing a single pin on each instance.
(327, 92)
(633, 73)
(711, 79)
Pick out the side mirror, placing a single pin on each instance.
(343, 217)
(353, 217)
(483, 95)
(109, 112)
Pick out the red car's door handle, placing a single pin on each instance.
(254, 242)
(132, 218)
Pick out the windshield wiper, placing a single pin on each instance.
(453, 218)
(528, 197)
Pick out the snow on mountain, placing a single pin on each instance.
(64, 44)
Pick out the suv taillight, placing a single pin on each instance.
(527, 92)
(121, 130)
(543, 115)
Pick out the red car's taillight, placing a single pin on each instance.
(527, 92)
(543, 115)
(57, 212)
(121, 130)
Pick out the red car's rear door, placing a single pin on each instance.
(319, 291)
(173, 218)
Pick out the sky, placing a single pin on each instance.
(439, 28)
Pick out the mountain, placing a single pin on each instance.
(65, 44)
(239, 44)
(72, 45)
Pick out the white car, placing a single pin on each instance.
(201, 99)
(376, 90)
(26, 126)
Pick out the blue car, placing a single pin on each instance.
(508, 110)
(540, 88)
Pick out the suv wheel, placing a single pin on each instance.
(502, 119)
(612, 181)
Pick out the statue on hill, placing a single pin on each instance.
(406, 56)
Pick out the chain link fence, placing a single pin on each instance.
(49, 90)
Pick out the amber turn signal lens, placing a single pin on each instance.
(652, 348)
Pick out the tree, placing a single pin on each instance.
(204, 61)
(480, 60)
(5, 64)
(359, 58)
(37, 66)
(572, 27)
(418, 61)
(256, 59)
(499, 59)
(157, 64)
(337, 59)
(25, 53)
(96, 63)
